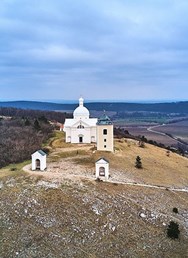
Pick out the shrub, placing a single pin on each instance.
(173, 230)
(13, 169)
(138, 163)
(175, 210)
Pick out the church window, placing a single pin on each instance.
(104, 140)
(80, 126)
(104, 131)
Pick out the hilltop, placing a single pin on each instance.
(78, 160)
(64, 212)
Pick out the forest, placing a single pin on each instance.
(24, 113)
(24, 131)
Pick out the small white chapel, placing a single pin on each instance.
(81, 128)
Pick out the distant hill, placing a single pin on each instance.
(38, 105)
(173, 107)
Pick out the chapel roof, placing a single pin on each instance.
(102, 160)
(69, 122)
(41, 152)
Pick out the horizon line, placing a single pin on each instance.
(75, 101)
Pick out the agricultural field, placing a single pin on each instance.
(178, 130)
(159, 133)
(143, 131)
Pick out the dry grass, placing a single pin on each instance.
(13, 170)
(158, 168)
(67, 154)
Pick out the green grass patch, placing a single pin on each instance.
(57, 135)
(58, 141)
(14, 170)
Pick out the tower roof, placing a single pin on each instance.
(104, 120)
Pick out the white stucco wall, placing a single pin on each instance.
(80, 118)
(105, 140)
(67, 134)
(88, 133)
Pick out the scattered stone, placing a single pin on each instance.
(112, 227)
(142, 215)
(48, 185)
(1, 185)
(96, 210)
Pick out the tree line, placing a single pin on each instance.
(20, 137)
(32, 114)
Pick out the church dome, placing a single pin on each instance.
(81, 111)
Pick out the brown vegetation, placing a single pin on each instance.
(19, 138)
(33, 114)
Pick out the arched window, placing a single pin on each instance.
(104, 131)
(101, 171)
(80, 126)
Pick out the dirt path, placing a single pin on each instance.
(68, 170)
(63, 170)
(151, 129)
(152, 186)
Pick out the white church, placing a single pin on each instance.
(83, 129)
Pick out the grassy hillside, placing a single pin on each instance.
(158, 168)
(64, 212)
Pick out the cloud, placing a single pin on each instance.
(102, 49)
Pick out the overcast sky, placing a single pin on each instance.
(100, 49)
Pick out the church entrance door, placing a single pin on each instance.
(80, 139)
(37, 164)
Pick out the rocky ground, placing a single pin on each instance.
(40, 218)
